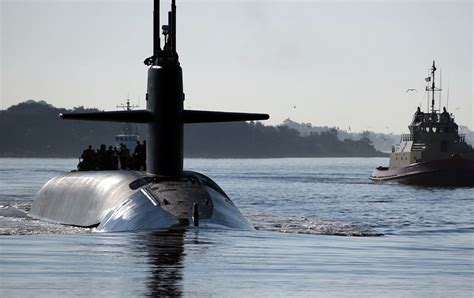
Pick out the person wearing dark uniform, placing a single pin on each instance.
(445, 118)
(143, 156)
(136, 156)
(110, 159)
(88, 160)
(116, 155)
(418, 115)
(102, 158)
(124, 155)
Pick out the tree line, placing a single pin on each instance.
(33, 129)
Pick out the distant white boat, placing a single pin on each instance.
(126, 136)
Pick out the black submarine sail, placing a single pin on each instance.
(165, 196)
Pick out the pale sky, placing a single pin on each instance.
(334, 63)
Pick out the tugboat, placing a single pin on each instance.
(433, 153)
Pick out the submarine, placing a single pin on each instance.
(164, 196)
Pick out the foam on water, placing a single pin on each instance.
(15, 220)
(303, 225)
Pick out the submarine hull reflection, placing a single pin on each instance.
(130, 200)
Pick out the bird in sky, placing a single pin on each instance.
(411, 89)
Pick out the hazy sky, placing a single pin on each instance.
(335, 63)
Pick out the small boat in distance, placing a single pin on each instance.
(433, 153)
(126, 136)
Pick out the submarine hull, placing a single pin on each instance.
(444, 173)
(115, 201)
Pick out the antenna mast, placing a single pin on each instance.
(433, 87)
(447, 99)
(173, 25)
(156, 28)
(440, 87)
(127, 106)
(127, 128)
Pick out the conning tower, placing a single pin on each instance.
(165, 114)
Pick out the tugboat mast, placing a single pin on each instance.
(433, 87)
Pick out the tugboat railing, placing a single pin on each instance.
(406, 137)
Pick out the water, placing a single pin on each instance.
(323, 230)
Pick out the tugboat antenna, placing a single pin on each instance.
(426, 93)
(432, 88)
(440, 87)
(447, 99)
(433, 70)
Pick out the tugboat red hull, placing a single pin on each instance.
(447, 172)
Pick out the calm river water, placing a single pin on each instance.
(323, 230)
